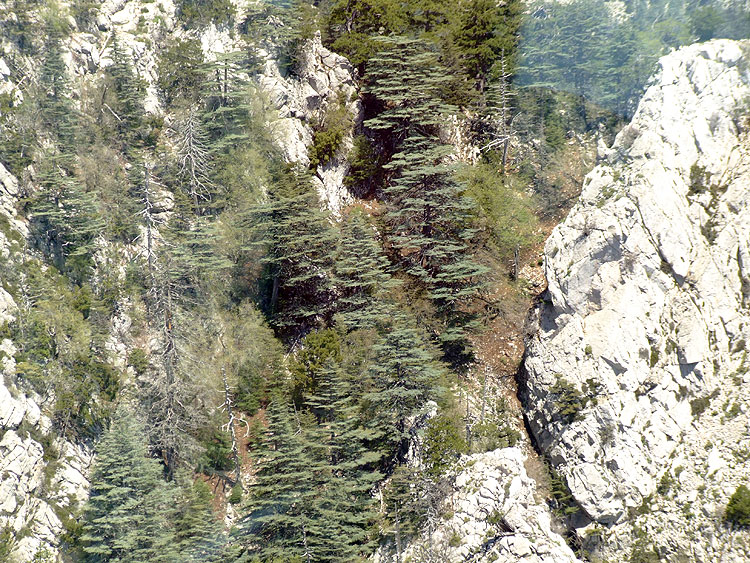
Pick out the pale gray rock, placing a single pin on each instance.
(322, 80)
(493, 514)
(646, 308)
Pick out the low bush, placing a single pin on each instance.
(738, 507)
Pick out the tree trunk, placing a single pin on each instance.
(230, 424)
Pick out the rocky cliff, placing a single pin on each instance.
(635, 384)
(42, 475)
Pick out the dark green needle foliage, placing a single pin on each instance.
(297, 240)
(402, 377)
(128, 516)
(279, 515)
(428, 215)
(738, 508)
(361, 275)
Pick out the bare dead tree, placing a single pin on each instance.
(193, 156)
(499, 118)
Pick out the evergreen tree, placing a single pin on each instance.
(57, 110)
(198, 534)
(361, 275)
(127, 516)
(427, 212)
(350, 471)
(486, 29)
(127, 101)
(297, 239)
(402, 377)
(280, 512)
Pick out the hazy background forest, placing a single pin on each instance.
(281, 359)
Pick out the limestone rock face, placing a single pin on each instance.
(634, 373)
(322, 81)
(494, 514)
(31, 488)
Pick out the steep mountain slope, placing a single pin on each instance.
(635, 383)
(44, 476)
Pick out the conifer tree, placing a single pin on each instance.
(484, 30)
(128, 92)
(361, 275)
(297, 239)
(402, 377)
(198, 534)
(127, 517)
(427, 212)
(57, 110)
(280, 512)
(350, 470)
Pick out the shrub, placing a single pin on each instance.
(138, 360)
(444, 443)
(738, 507)
(330, 134)
(569, 400)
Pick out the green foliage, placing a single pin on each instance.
(84, 12)
(484, 32)
(698, 406)
(7, 542)
(569, 401)
(181, 72)
(427, 211)
(198, 534)
(698, 179)
(296, 238)
(58, 352)
(361, 275)
(403, 376)
(217, 451)
(138, 360)
(564, 502)
(127, 517)
(444, 443)
(328, 137)
(505, 211)
(199, 13)
(643, 551)
(317, 349)
(738, 507)
(364, 171)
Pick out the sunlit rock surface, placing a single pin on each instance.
(647, 317)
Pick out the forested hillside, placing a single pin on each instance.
(279, 296)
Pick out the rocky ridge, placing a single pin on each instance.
(493, 513)
(636, 373)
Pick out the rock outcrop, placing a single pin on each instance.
(494, 514)
(636, 374)
(323, 82)
(41, 474)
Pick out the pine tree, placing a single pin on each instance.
(57, 110)
(484, 30)
(361, 275)
(402, 377)
(297, 239)
(127, 517)
(428, 214)
(129, 93)
(350, 472)
(279, 514)
(198, 534)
